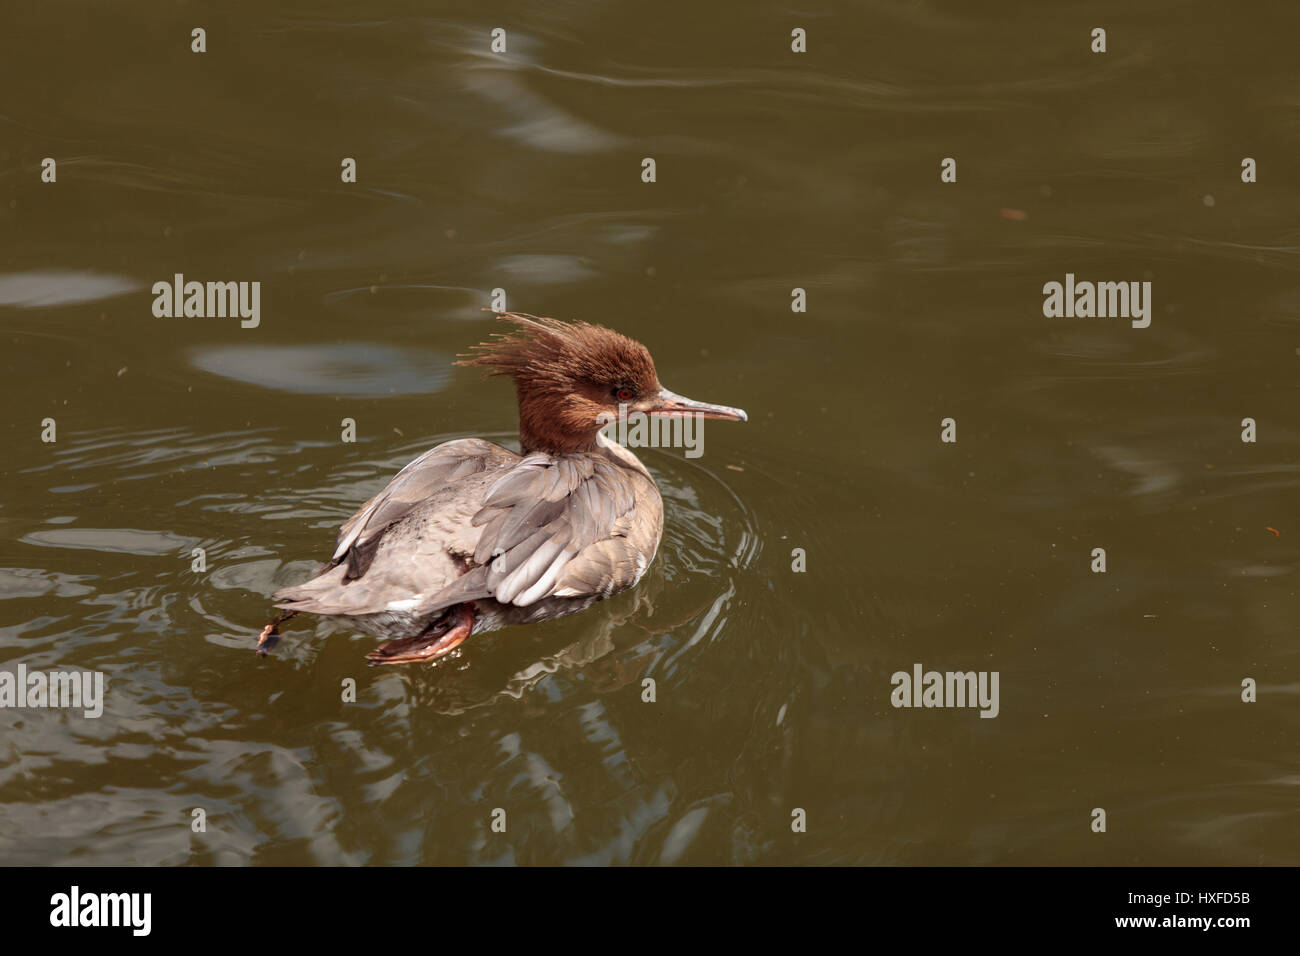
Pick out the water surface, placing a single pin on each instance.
(775, 171)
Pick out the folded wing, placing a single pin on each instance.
(416, 484)
(541, 517)
(469, 520)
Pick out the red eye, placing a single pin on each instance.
(623, 394)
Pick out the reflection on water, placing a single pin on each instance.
(345, 370)
(775, 171)
(177, 649)
(51, 287)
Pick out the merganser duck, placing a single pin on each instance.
(470, 537)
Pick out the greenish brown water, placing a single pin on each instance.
(775, 171)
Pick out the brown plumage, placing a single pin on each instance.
(470, 536)
(563, 373)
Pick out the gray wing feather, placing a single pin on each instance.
(414, 484)
(535, 520)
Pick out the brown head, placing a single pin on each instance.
(572, 377)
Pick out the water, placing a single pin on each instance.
(775, 170)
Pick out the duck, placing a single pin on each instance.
(472, 537)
